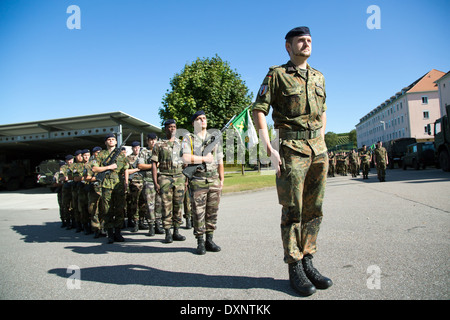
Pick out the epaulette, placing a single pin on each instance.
(274, 67)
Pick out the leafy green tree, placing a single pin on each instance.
(207, 84)
(331, 139)
(352, 137)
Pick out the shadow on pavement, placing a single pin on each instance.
(132, 274)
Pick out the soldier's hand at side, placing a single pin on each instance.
(113, 166)
(157, 187)
(276, 161)
(208, 158)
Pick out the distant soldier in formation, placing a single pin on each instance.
(365, 157)
(381, 161)
(170, 181)
(331, 164)
(152, 200)
(353, 161)
(113, 189)
(206, 186)
(67, 192)
(94, 195)
(135, 182)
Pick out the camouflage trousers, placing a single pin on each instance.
(67, 202)
(95, 207)
(205, 199)
(113, 201)
(381, 170)
(134, 199)
(365, 168)
(83, 203)
(76, 212)
(152, 201)
(301, 189)
(172, 193)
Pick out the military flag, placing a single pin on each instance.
(243, 125)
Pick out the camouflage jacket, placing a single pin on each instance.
(115, 176)
(145, 157)
(380, 155)
(133, 160)
(168, 154)
(192, 144)
(298, 101)
(365, 156)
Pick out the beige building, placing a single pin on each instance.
(443, 84)
(404, 115)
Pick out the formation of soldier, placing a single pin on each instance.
(356, 161)
(147, 187)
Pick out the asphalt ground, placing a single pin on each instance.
(378, 241)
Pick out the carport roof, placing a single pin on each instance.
(68, 134)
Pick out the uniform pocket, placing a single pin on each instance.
(294, 102)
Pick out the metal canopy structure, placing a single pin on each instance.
(58, 137)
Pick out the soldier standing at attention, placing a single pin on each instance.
(170, 181)
(365, 156)
(206, 185)
(83, 191)
(94, 196)
(381, 161)
(135, 183)
(149, 192)
(296, 93)
(113, 189)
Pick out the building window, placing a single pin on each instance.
(425, 129)
(424, 100)
(426, 115)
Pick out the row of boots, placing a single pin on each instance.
(305, 279)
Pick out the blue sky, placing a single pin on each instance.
(126, 52)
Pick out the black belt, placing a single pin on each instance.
(297, 135)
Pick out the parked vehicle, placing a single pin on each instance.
(396, 150)
(419, 155)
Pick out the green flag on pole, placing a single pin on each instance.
(243, 124)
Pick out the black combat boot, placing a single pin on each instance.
(169, 238)
(63, 224)
(210, 245)
(177, 236)
(151, 229)
(319, 281)
(158, 228)
(201, 250)
(142, 225)
(188, 223)
(118, 236)
(110, 233)
(79, 227)
(299, 281)
(135, 226)
(87, 229)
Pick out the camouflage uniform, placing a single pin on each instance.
(204, 187)
(76, 170)
(331, 164)
(136, 185)
(83, 203)
(113, 191)
(365, 162)
(380, 157)
(94, 200)
(171, 180)
(67, 196)
(353, 162)
(298, 100)
(152, 200)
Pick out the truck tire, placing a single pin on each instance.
(444, 160)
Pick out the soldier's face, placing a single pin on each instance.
(200, 123)
(69, 161)
(111, 142)
(151, 143)
(86, 157)
(171, 129)
(79, 157)
(136, 149)
(299, 46)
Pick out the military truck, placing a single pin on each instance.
(419, 155)
(442, 140)
(46, 171)
(396, 150)
(16, 174)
